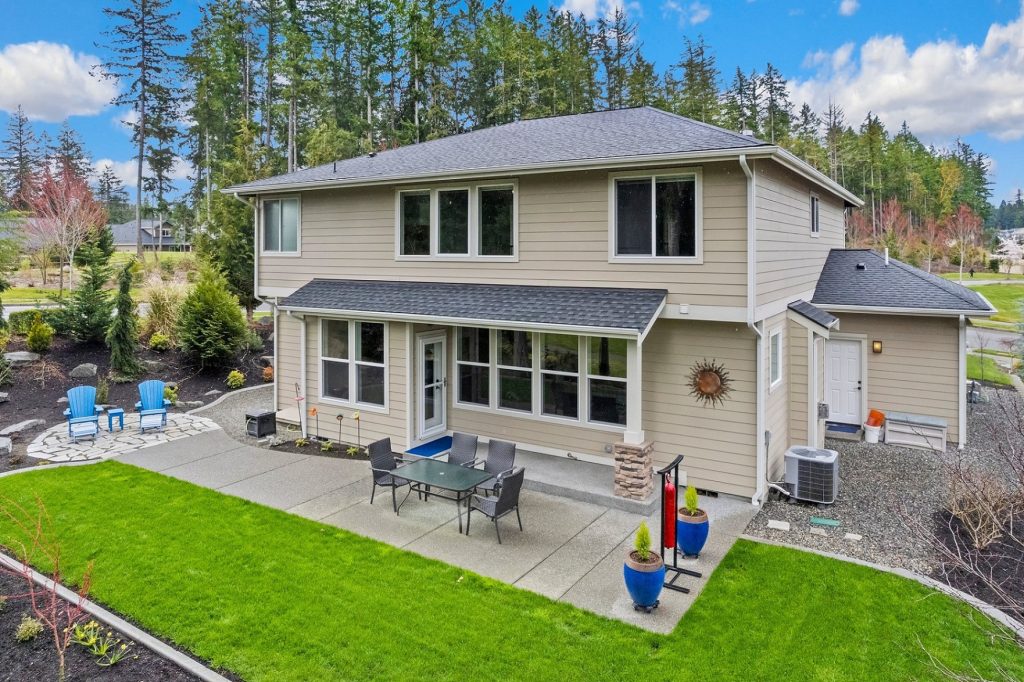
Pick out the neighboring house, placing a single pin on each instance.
(156, 236)
(554, 282)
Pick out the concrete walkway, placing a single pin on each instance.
(570, 550)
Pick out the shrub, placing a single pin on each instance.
(690, 500)
(235, 379)
(268, 374)
(301, 442)
(187, 263)
(159, 342)
(171, 393)
(22, 320)
(164, 306)
(89, 310)
(210, 325)
(642, 544)
(123, 334)
(166, 269)
(40, 337)
(253, 342)
(103, 390)
(6, 374)
(28, 629)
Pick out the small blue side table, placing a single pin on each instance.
(115, 412)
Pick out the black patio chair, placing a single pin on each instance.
(501, 457)
(382, 463)
(507, 500)
(463, 450)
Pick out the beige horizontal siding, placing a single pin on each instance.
(718, 443)
(789, 259)
(798, 383)
(918, 368)
(777, 406)
(563, 241)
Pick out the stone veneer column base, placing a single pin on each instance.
(634, 470)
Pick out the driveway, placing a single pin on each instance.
(570, 550)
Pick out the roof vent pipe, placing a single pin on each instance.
(887, 255)
(335, 166)
(747, 132)
(862, 266)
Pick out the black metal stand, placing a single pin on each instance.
(673, 569)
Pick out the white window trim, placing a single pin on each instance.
(600, 377)
(352, 367)
(698, 203)
(774, 383)
(298, 227)
(814, 205)
(537, 386)
(474, 222)
(497, 376)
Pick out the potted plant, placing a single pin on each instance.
(691, 525)
(644, 572)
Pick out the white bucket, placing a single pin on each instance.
(871, 433)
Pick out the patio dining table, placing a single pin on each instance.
(432, 475)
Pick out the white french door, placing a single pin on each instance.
(843, 376)
(432, 385)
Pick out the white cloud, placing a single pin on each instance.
(51, 82)
(941, 88)
(126, 170)
(124, 120)
(592, 9)
(848, 8)
(686, 14)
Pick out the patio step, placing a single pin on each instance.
(578, 480)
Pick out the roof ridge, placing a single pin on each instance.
(704, 124)
(944, 284)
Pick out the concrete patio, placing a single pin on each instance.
(571, 550)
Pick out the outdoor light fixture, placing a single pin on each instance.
(876, 346)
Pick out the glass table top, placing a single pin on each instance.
(442, 474)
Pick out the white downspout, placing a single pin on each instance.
(302, 406)
(962, 403)
(761, 454)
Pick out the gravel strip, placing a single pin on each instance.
(229, 413)
(876, 482)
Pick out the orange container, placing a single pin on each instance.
(875, 418)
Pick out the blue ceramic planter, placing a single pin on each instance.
(644, 582)
(691, 534)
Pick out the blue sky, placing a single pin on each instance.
(950, 68)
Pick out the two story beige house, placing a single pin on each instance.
(559, 282)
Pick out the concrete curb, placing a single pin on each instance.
(130, 631)
(992, 612)
(225, 396)
(43, 467)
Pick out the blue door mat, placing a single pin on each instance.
(842, 428)
(433, 448)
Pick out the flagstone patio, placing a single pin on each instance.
(54, 444)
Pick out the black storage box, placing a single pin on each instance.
(261, 423)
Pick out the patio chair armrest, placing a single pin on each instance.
(67, 411)
(472, 465)
(138, 405)
(167, 403)
(99, 410)
(383, 471)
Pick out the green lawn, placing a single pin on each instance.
(272, 596)
(979, 367)
(121, 257)
(1007, 298)
(26, 295)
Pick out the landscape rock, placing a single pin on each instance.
(213, 393)
(15, 430)
(819, 531)
(86, 370)
(854, 537)
(270, 338)
(778, 525)
(4, 397)
(5, 445)
(193, 403)
(63, 400)
(21, 357)
(153, 365)
(267, 360)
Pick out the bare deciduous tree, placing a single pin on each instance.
(963, 227)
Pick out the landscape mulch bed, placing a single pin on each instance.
(37, 659)
(37, 387)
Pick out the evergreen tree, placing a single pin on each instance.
(123, 334)
(69, 155)
(86, 315)
(617, 47)
(141, 42)
(778, 110)
(110, 192)
(210, 323)
(642, 85)
(19, 160)
(694, 92)
(161, 146)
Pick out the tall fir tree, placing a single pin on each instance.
(19, 161)
(123, 334)
(142, 43)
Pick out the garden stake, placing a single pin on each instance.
(302, 413)
(359, 440)
(339, 418)
(313, 412)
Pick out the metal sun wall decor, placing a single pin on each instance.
(709, 382)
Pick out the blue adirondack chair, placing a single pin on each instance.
(152, 408)
(82, 414)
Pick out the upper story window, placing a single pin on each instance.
(656, 217)
(453, 223)
(815, 215)
(281, 225)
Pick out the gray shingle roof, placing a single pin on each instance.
(814, 314)
(124, 234)
(897, 285)
(621, 133)
(625, 309)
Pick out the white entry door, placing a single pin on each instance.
(843, 381)
(433, 385)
